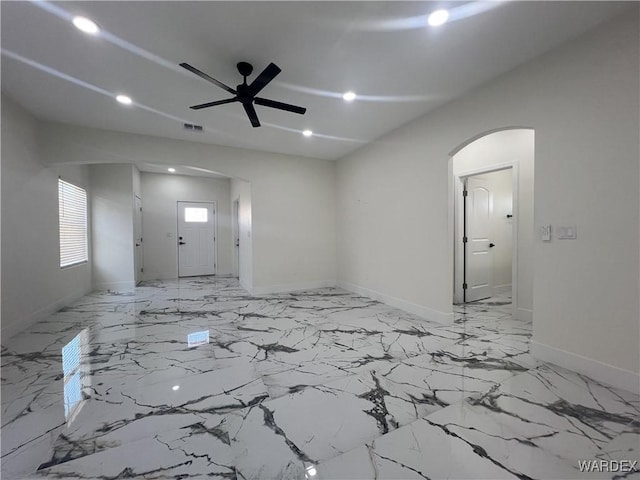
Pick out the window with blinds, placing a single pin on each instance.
(73, 224)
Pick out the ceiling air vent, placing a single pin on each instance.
(193, 128)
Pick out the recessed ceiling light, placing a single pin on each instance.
(307, 133)
(437, 18)
(175, 387)
(86, 25)
(349, 97)
(171, 169)
(123, 99)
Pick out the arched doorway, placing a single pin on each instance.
(493, 224)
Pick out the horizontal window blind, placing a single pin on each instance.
(73, 224)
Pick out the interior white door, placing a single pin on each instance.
(138, 251)
(236, 238)
(478, 258)
(196, 238)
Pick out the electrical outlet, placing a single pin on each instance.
(545, 233)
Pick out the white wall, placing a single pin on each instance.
(582, 101)
(161, 192)
(33, 284)
(241, 191)
(293, 205)
(112, 218)
(494, 150)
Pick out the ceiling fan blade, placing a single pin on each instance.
(282, 106)
(207, 77)
(265, 77)
(213, 104)
(251, 113)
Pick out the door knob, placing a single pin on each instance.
(182, 243)
(491, 245)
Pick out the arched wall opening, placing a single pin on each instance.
(479, 159)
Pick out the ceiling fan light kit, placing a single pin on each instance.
(246, 93)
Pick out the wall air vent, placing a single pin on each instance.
(193, 128)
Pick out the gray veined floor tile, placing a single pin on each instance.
(188, 452)
(311, 368)
(319, 422)
(459, 442)
(118, 416)
(424, 450)
(433, 385)
(322, 383)
(562, 412)
(625, 446)
(276, 438)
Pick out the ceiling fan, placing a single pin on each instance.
(246, 94)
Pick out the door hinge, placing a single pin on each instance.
(464, 239)
(464, 286)
(465, 193)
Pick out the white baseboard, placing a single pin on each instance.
(524, 314)
(291, 287)
(9, 330)
(246, 286)
(159, 276)
(599, 371)
(174, 276)
(116, 286)
(500, 289)
(427, 313)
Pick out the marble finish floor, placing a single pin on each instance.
(198, 379)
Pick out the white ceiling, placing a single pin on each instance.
(400, 68)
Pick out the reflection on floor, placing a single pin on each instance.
(197, 379)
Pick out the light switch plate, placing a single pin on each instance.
(567, 233)
(545, 233)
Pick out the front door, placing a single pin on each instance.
(478, 261)
(196, 238)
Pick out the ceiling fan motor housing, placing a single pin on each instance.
(243, 94)
(245, 69)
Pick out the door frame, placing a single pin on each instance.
(215, 233)
(235, 232)
(458, 222)
(138, 250)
